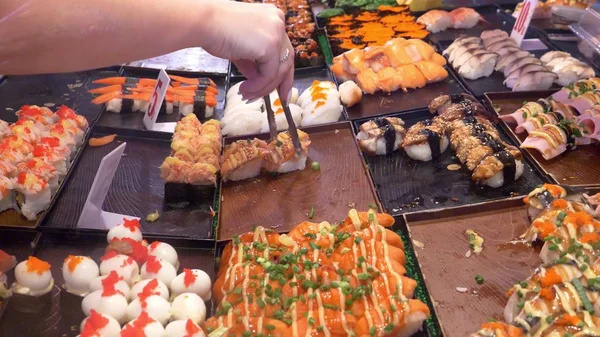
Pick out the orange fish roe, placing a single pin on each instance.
(590, 238)
(550, 278)
(191, 329)
(109, 284)
(544, 227)
(135, 249)
(579, 218)
(109, 255)
(35, 265)
(149, 290)
(189, 278)
(555, 190)
(95, 321)
(137, 328)
(132, 225)
(73, 261)
(509, 330)
(396, 9)
(153, 265)
(560, 203)
(547, 293)
(127, 262)
(568, 320)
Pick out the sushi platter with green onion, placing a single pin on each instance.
(390, 195)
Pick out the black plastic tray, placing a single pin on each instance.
(137, 188)
(65, 315)
(69, 89)
(381, 103)
(492, 83)
(406, 185)
(135, 120)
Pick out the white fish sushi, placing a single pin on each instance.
(507, 59)
(243, 124)
(488, 34)
(516, 74)
(519, 63)
(460, 41)
(281, 120)
(480, 65)
(540, 80)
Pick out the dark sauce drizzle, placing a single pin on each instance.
(389, 135)
(433, 138)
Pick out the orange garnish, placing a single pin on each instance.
(547, 293)
(109, 284)
(550, 278)
(568, 320)
(153, 265)
(189, 278)
(73, 261)
(137, 328)
(191, 329)
(579, 218)
(109, 255)
(36, 265)
(132, 225)
(590, 238)
(101, 141)
(560, 203)
(555, 190)
(544, 227)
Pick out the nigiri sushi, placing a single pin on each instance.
(243, 159)
(499, 169)
(282, 157)
(479, 65)
(436, 20)
(381, 136)
(551, 140)
(464, 18)
(537, 80)
(280, 118)
(321, 104)
(426, 140)
(350, 93)
(461, 41)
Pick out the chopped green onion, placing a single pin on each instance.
(549, 319)
(479, 279)
(311, 321)
(311, 214)
(357, 240)
(315, 166)
(373, 206)
(583, 295)
(363, 276)
(270, 327)
(372, 331)
(314, 246)
(345, 250)
(389, 327)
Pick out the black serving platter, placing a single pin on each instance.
(51, 90)
(63, 315)
(405, 185)
(137, 188)
(129, 120)
(492, 83)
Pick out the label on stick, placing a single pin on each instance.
(522, 23)
(156, 100)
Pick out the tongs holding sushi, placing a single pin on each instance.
(288, 116)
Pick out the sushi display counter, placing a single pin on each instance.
(418, 203)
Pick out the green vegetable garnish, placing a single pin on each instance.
(583, 295)
(549, 319)
(479, 279)
(315, 166)
(152, 216)
(372, 331)
(311, 214)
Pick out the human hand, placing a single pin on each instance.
(253, 37)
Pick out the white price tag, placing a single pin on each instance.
(522, 23)
(92, 216)
(156, 101)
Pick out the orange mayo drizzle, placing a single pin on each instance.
(363, 250)
(355, 274)
(295, 292)
(373, 228)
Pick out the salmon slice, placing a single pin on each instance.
(433, 72)
(354, 61)
(368, 81)
(413, 78)
(396, 53)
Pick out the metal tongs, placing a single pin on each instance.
(288, 116)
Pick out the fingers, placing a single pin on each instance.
(285, 87)
(247, 68)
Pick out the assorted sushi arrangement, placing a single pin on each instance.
(319, 279)
(560, 298)
(190, 172)
(475, 57)
(300, 28)
(372, 28)
(318, 104)
(553, 126)
(196, 96)
(437, 20)
(35, 155)
(397, 64)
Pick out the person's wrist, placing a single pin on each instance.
(203, 24)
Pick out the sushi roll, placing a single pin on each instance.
(37, 114)
(159, 269)
(26, 133)
(111, 281)
(282, 157)
(33, 194)
(66, 138)
(184, 328)
(57, 157)
(65, 112)
(15, 143)
(33, 278)
(101, 324)
(243, 159)
(426, 140)
(192, 281)
(381, 136)
(154, 286)
(7, 193)
(78, 272)
(40, 168)
(143, 325)
(189, 306)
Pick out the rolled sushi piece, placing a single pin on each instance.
(37, 114)
(7, 193)
(499, 169)
(243, 159)
(426, 140)
(7, 168)
(381, 136)
(42, 169)
(186, 181)
(4, 129)
(58, 157)
(33, 194)
(282, 157)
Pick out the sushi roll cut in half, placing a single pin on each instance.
(243, 159)
(426, 140)
(33, 194)
(381, 136)
(282, 157)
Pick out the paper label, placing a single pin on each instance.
(522, 23)
(92, 216)
(156, 100)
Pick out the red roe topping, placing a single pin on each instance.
(149, 290)
(109, 255)
(130, 247)
(96, 321)
(154, 245)
(109, 285)
(73, 261)
(153, 265)
(132, 225)
(127, 262)
(136, 328)
(35, 265)
(52, 141)
(191, 329)
(189, 278)
(65, 112)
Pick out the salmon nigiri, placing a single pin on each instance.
(395, 52)
(424, 49)
(376, 59)
(338, 70)
(432, 71)
(354, 61)
(412, 77)
(368, 81)
(387, 79)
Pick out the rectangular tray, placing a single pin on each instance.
(12, 218)
(501, 263)
(406, 185)
(281, 202)
(382, 103)
(52, 90)
(65, 314)
(578, 167)
(189, 61)
(495, 18)
(492, 83)
(137, 188)
(135, 120)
